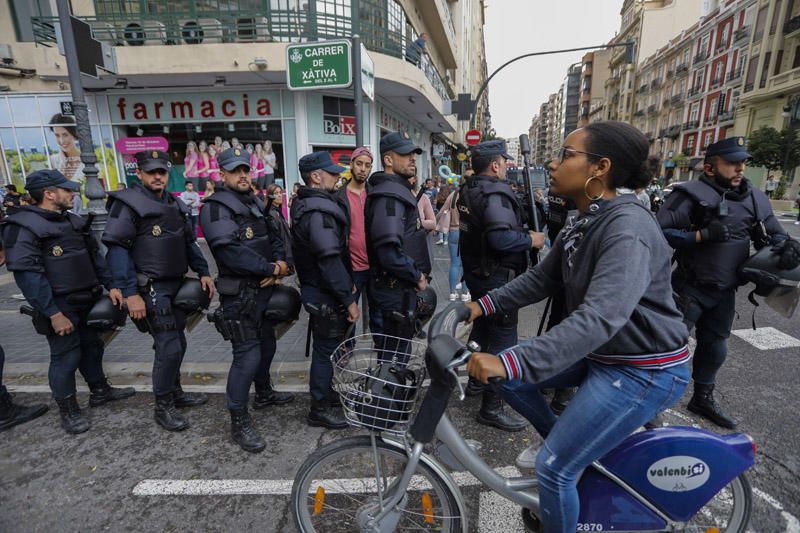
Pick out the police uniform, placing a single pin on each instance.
(57, 266)
(728, 219)
(397, 245)
(246, 244)
(494, 248)
(322, 261)
(151, 244)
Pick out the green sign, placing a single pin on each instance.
(322, 65)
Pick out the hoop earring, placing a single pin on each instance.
(586, 189)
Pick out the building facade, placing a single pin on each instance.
(194, 71)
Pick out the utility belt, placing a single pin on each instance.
(385, 280)
(328, 320)
(236, 321)
(492, 269)
(157, 319)
(84, 299)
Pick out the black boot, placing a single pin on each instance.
(266, 396)
(561, 398)
(103, 392)
(492, 413)
(703, 404)
(12, 414)
(323, 415)
(474, 387)
(243, 432)
(71, 419)
(188, 399)
(167, 416)
(334, 400)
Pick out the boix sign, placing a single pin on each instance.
(679, 473)
(333, 125)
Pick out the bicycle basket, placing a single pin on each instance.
(378, 379)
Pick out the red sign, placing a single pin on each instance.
(473, 137)
(131, 145)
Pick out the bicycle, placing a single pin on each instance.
(666, 479)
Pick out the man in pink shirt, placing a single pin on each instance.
(354, 197)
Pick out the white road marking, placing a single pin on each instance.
(792, 523)
(767, 338)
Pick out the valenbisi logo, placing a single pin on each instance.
(679, 473)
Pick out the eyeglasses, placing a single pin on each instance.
(566, 153)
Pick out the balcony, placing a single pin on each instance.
(692, 124)
(662, 133)
(735, 75)
(267, 25)
(650, 136)
(716, 82)
(699, 58)
(643, 88)
(791, 26)
(670, 73)
(656, 83)
(676, 99)
(748, 87)
(674, 130)
(638, 113)
(682, 69)
(651, 109)
(694, 91)
(741, 34)
(666, 102)
(727, 116)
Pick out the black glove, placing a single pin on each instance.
(716, 231)
(790, 254)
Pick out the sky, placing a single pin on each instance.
(516, 27)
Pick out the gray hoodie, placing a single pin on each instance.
(613, 266)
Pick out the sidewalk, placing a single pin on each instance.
(129, 358)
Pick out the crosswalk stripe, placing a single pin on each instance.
(767, 338)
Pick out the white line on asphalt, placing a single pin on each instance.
(792, 523)
(767, 338)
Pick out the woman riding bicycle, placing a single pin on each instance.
(624, 342)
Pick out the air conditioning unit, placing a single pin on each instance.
(106, 32)
(202, 31)
(252, 29)
(152, 32)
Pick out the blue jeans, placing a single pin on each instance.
(612, 401)
(456, 268)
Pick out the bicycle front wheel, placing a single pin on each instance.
(728, 512)
(341, 486)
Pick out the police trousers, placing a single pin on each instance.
(166, 323)
(397, 306)
(2, 363)
(496, 332)
(254, 350)
(81, 350)
(325, 341)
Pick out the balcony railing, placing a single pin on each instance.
(792, 25)
(735, 74)
(670, 73)
(666, 102)
(692, 124)
(699, 58)
(651, 108)
(674, 130)
(656, 83)
(693, 92)
(676, 99)
(683, 68)
(717, 81)
(741, 34)
(748, 87)
(638, 113)
(727, 116)
(643, 88)
(267, 25)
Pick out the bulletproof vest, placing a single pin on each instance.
(399, 223)
(557, 214)
(476, 221)
(252, 225)
(717, 263)
(159, 249)
(334, 234)
(66, 245)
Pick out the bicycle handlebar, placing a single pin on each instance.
(447, 321)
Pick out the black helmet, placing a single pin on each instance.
(105, 315)
(426, 304)
(191, 297)
(781, 287)
(284, 304)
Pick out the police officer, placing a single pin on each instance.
(57, 266)
(711, 223)
(12, 414)
(322, 260)
(250, 256)
(494, 249)
(397, 244)
(151, 244)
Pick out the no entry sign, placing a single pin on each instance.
(473, 137)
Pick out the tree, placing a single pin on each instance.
(775, 150)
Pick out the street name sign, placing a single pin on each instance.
(322, 65)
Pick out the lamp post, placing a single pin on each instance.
(93, 188)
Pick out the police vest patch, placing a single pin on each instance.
(57, 251)
(248, 233)
(156, 230)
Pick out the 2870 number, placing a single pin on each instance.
(590, 527)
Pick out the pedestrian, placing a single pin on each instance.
(12, 197)
(430, 191)
(415, 49)
(396, 242)
(614, 266)
(323, 264)
(494, 249)
(770, 186)
(57, 265)
(427, 216)
(711, 223)
(249, 253)
(192, 199)
(151, 245)
(208, 191)
(797, 206)
(353, 197)
(448, 222)
(13, 414)
(275, 210)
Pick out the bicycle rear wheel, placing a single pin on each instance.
(340, 486)
(729, 511)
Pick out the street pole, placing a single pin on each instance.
(93, 188)
(358, 93)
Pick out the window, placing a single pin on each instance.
(723, 39)
(704, 44)
(338, 116)
(690, 144)
(774, 24)
(778, 61)
(765, 71)
(721, 104)
(694, 113)
(718, 71)
(796, 62)
(761, 21)
(22, 11)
